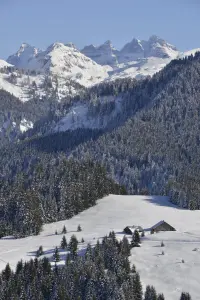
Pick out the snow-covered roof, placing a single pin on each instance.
(159, 223)
(133, 227)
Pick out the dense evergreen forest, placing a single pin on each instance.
(102, 273)
(37, 187)
(156, 151)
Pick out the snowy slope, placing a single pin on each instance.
(28, 84)
(188, 53)
(63, 66)
(4, 64)
(63, 62)
(139, 68)
(166, 272)
(79, 116)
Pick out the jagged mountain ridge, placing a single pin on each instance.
(64, 69)
(106, 54)
(64, 61)
(21, 58)
(93, 64)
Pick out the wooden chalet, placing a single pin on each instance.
(162, 226)
(132, 229)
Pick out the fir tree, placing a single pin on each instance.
(64, 230)
(133, 269)
(137, 287)
(162, 244)
(125, 247)
(88, 252)
(185, 296)
(40, 251)
(150, 293)
(7, 272)
(63, 243)
(160, 297)
(79, 228)
(73, 245)
(56, 255)
(19, 267)
(135, 239)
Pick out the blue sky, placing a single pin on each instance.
(41, 22)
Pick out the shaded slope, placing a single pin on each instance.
(160, 145)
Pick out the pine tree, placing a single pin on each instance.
(40, 251)
(125, 247)
(63, 243)
(133, 269)
(162, 244)
(137, 287)
(7, 272)
(88, 252)
(185, 296)
(150, 293)
(19, 267)
(79, 228)
(135, 239)
(160, 297)
(82, 240)
(56, 255)
(73, 245)
(68, 260)
(64, 230)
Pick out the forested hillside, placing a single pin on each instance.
(81, 278)
(38, 187)
(157, 150)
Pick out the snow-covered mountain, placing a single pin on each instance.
(61, 67)
(136, 59)
(28, 84)
(106, 54)
(22, 57)
(157, 47)
(63, 61)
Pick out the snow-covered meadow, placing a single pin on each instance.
(175, 271)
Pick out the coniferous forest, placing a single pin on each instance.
(103, 273)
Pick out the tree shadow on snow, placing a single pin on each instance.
(162, 201)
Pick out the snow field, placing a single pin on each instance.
(168, 273)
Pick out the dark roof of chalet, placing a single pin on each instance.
(133, 228)
(160, 223)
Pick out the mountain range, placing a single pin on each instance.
(62, 67)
